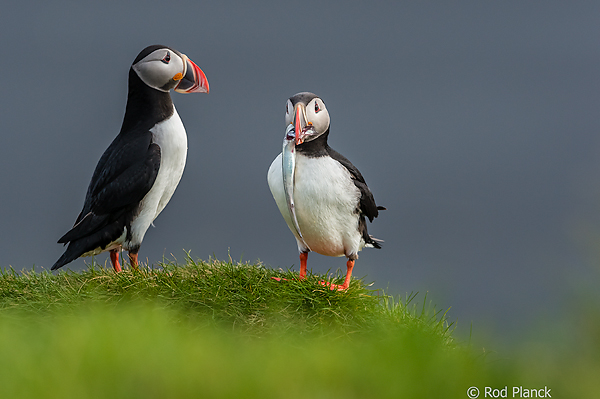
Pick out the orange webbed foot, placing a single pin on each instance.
(333, 287)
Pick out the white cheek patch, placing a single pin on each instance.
(320, 120)
(154, 72)
(289, 112)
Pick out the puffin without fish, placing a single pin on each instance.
(138, 173)
(322, 197)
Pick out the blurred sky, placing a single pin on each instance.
(475, 123)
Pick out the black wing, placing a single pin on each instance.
(367, 205)
(124, 175)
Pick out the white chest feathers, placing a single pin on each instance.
(170, 136)
(326, 203)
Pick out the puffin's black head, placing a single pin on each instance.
(307, 114)
(163, 68)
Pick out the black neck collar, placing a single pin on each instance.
(315, 148)
(145, 106)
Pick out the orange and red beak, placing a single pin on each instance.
(300, 122)
(193, 80)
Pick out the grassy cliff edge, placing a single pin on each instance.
(225, 329)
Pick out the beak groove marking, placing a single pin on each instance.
(193, 79)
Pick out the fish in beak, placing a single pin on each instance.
(289, 168)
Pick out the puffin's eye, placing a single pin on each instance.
(167, 58)
(317, 108)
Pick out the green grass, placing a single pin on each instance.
(223, 329)
(237, 297)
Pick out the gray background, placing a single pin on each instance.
(475, 124)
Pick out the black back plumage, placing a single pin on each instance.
(124, 174)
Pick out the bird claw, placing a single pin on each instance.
(333, 287)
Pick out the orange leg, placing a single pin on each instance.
(349, 267)
(343, 287)
(133, 261)
(114, 259)
(303, 261)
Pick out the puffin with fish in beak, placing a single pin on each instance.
(321, 195)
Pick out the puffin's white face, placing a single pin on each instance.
(165, 69)
(310, 120)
